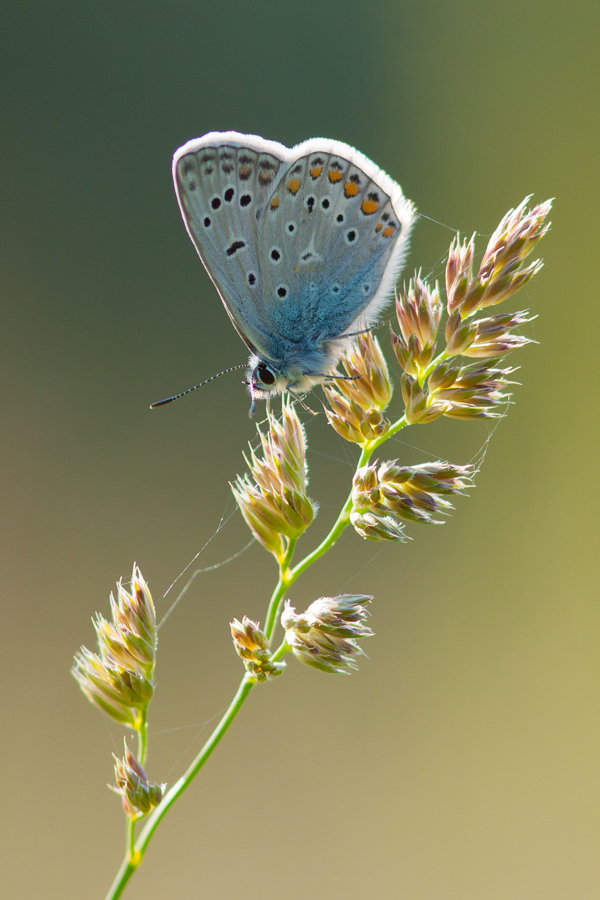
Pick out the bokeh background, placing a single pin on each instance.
(461, 761)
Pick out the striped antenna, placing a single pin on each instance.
(189, 390)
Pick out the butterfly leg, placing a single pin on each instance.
(301, 401)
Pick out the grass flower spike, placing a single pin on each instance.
(252, 646)
(502, 271)
(325, 636)
(374, 527)
(420, 404)
(358, 401)
(119, 678)
(418, 312)
(413, 493)
(274, 500)
(475, 391)
(433, 386)
(138, 795)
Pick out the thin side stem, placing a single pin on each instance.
(440, 358)
(396, 427)
(283, 648)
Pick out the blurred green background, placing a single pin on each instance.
(461, 761)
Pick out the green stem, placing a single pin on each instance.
(129, 864)
(344, 517)
(280, 589)
(440, 358)
(135, 853)
(339, 526)
(142, 737)
(283, 648)
(123, 875)
(130, 837)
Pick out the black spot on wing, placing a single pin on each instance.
(237, 245)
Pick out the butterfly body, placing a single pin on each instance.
(304, 246)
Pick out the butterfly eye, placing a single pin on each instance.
(265, 374)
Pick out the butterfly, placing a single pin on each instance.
(304, 246)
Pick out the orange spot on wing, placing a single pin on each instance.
(316, 171)
(369, 207)
(334, 175)
(389, 230)
(274, 202)
(245, 171)
(351, 189)
(293, 185)
(378, 227)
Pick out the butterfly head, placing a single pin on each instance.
(297, 373)
(263, 380)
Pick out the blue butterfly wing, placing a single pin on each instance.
(329, 246)
(303, 245)
(223, 182)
